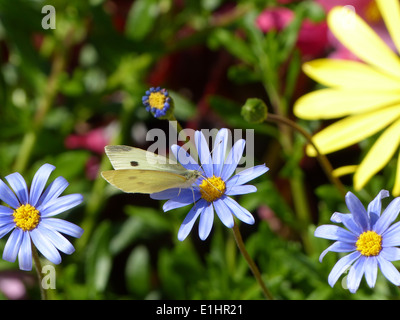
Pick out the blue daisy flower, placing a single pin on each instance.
(158, 102)
(370, 238)
(29, 215)
(213, 189)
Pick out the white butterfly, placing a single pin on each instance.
(141, 171)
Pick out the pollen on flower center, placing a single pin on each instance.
(369, 243)
(26, 217)
(212, 189)
(157, 100)
(372, 13)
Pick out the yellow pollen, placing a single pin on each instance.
(369, 243)
(372, 14)
(26, 217)
(212, 189)
(157, 100)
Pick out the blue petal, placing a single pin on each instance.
(358, 211)
(391, 237)
(12, 246)
(338, 246)
(389, 271)
(233, 158)
(190, 219)
(240, 212)
(375, 206)
(388, 216)
(247, 175)
(46, 248)
(61, 204)
(6, 219)
(25, 253)
(332, 232)
(53, 190)
(184, 158)
(6, 210)
(6, 228)
(38, 183)
(166, 194)
(341, 267)
(371, 270)
(186, 197)
(237, 190)
(355, 274)
(223, 212)
(59, 241)
(63, 226)
(18, 184)
(348, 221)
(219, 151)
(390, 253)
(8, 196)
(204, 153)
(206, 222)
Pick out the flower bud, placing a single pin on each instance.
(254, 110)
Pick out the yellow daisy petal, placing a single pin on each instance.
(396, 188)
(379, 155)
(349, 74)
(336, 103)
(342, 171)
(361, 40)
(352, 129)
(390, 11)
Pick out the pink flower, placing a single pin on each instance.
(312, 37)
(94, 140)
(274, 19)
(13, 284)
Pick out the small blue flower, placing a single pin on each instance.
(30, 217)
(214, 188)
(370, 238)
(158, 102)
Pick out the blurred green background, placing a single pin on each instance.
(68, 91)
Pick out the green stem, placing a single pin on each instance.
(38, 267)
(253, 267)
(323, 160)
(45, 103)
(296, 181)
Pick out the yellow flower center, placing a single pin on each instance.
(26, 217)
(157, 100)
(369, 243)
(212, 189)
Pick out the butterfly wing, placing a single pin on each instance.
(143, 181)
(125, 157)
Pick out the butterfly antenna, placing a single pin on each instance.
(204, 177)
(194, 198)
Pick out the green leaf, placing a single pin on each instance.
(184, 108)
(236, 46)
(141, 18)
(138, 272)
(98, 258)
